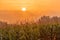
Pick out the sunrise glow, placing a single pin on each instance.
(31, 9)
(23, 9)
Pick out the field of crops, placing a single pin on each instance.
(30, 32)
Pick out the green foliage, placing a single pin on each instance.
(30, 32)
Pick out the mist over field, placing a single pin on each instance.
(20, 16)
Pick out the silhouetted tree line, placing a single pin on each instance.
(49, 20)
(46, 28)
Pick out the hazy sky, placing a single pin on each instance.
(11, 9)
(30, 4)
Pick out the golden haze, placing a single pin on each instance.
(11, 9)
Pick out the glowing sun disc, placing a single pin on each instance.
(23, 9)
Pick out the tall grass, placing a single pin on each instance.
(30, 32)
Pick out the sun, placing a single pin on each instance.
(23, 9)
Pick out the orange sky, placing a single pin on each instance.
(11, 9)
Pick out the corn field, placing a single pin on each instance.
(30, 32)
(34, 31)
